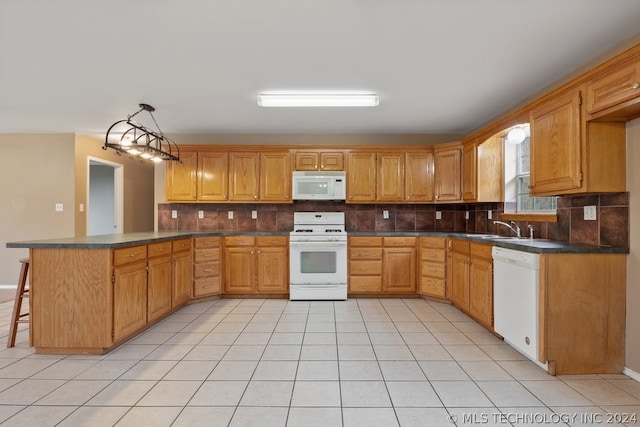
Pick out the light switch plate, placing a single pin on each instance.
(254, 214)
(489, 214)
(438, 215)
(590, 213)
(59, 207)
(174, 214)
(385, 214)
(230, 214)
(200, 214)
(466, 215)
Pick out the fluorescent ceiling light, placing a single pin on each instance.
(318, 99)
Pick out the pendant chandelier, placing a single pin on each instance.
(132, 138)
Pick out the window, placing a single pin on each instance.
(517, 161)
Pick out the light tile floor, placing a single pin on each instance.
(254, 362)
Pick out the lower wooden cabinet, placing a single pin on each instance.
(129, 299)
(181, 272)
(382, 265)
(433, 254)
(206, 266)
(256, 265)
(160, 280)
(471, 280)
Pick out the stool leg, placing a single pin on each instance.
(17, 305)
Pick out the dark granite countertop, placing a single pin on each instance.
(113, 241)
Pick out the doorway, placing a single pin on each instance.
(105, 197)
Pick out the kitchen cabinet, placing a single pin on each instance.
(181, 250)
(361, 176)
(447, 172)
(275, 176)
(206, 266)
(244, 176)
(382, 265)
(181, 184)
(399, 265)
(160, 280)
(432, 266)
(256, 265)
(614, 88)
(129, 291)
(572, 156)
(419, 176)
(314, 160)
(482, 170)
(390, 177)
(213, 176)
(365, 265)
(471, 280)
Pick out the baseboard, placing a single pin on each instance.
(631, 374)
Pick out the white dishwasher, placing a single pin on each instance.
(516, 299)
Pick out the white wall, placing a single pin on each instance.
(633, 260)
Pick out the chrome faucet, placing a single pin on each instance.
(513, 226)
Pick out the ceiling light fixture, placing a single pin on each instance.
(518, 134)
(318, 99)
(132, 138)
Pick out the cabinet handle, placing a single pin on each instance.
(635, 85)
(437, 196)
(255, 196)
(322, 167)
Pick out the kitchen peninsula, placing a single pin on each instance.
(90, 294)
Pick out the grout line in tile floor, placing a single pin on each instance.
(254, 362)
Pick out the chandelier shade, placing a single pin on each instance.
(129, 137)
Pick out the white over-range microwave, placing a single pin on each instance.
(319, 185)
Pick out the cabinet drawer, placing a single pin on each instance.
(479, 250)
(433, 242)
(399, 241)
(239, 241)
(365, 241)
(434, 255)
(201, 255)
(128, 255)
(433, 270)
(365, 253)
(365, 284)
(431, 286)
(158, 249)
(206, 269)
(365, 267)
(206, 242)
(181, 245)
(272, 241)
(206, 286)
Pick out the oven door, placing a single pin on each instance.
(318, 263)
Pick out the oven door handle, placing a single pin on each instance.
(324, 243)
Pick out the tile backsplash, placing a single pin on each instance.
(611, 226)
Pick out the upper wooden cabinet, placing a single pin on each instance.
(181, 178)
(418, 176)
(306, 160)
(613, 88)
(361, 176)
(482, 170)
(448, 159)
(390, 177)
(244, 170)
(570, 155)
(213, 176)
(275, 176)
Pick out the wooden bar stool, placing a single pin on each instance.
(21, 292)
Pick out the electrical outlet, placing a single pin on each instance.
(254, 214)
(489, 214)
(174, 214)
(438, 214)
(200, 214)
(229, 214)
(59, 207)
(466, 215)
(81, 207)
(589, 213)
(385, 214)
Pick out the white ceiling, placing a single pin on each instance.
(439, 66)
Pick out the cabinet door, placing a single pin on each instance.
(459, 274)
(614, 88)
(399, 270)
(447, 174)
(181, 179)
(490, 171)
(332, 160)
(275, 177)
(273, 269)
(481, 291)
(361, 177)
(240, 270)
(129, 299)
(159, 288)
(469, 171)
(555, 145)
(307, 160)
(244, 176)
(213, 176)
(418, 177)
(390, 182)
(181, 278)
